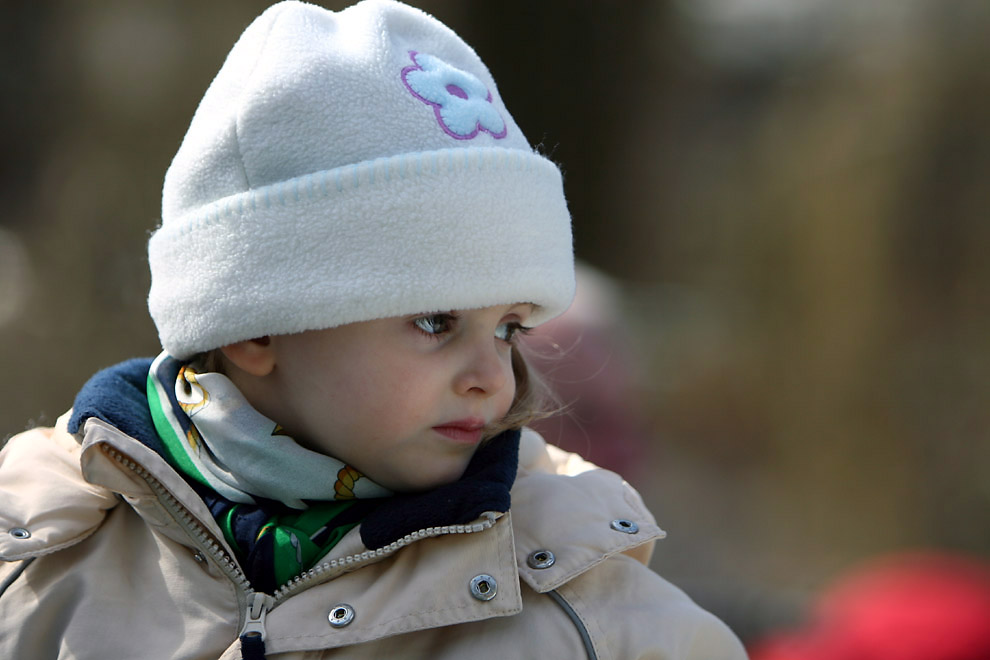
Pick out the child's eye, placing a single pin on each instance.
(507, 331)
(435, 324)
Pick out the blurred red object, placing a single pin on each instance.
(906, 607)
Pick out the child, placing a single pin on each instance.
(320, 463)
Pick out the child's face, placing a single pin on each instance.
(404, 399)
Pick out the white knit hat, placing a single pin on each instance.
(350, 166)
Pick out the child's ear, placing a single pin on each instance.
(254, 356)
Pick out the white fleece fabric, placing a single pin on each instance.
(350, 166)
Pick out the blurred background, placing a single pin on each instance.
(784, 332)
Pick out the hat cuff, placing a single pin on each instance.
(419, 232)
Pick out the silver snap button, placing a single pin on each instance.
(625, 526)
(541, 559)
(200, 557)
(340, 615)
(20, 533)
(483, 587)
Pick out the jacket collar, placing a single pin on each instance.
(562, 507)
(570, 515)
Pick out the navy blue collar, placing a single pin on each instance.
(118, 396)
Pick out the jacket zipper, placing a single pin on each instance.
(327, 569)
(257, 609)
(257, 604)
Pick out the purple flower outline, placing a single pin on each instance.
(455, 91)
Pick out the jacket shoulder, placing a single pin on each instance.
(537, 455)
(583, 537)
(579, 513)
(645, 617)
(45, 503)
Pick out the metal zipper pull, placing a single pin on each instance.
(254, 616)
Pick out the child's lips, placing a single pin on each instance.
(467, 431)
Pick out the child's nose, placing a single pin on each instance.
(486, 370)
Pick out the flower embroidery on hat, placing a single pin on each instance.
(462, 104)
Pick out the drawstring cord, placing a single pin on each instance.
(252, 647)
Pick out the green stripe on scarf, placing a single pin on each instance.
(177, 454)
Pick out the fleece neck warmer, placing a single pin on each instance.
(347, 166)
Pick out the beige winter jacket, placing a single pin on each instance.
(108, 554)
